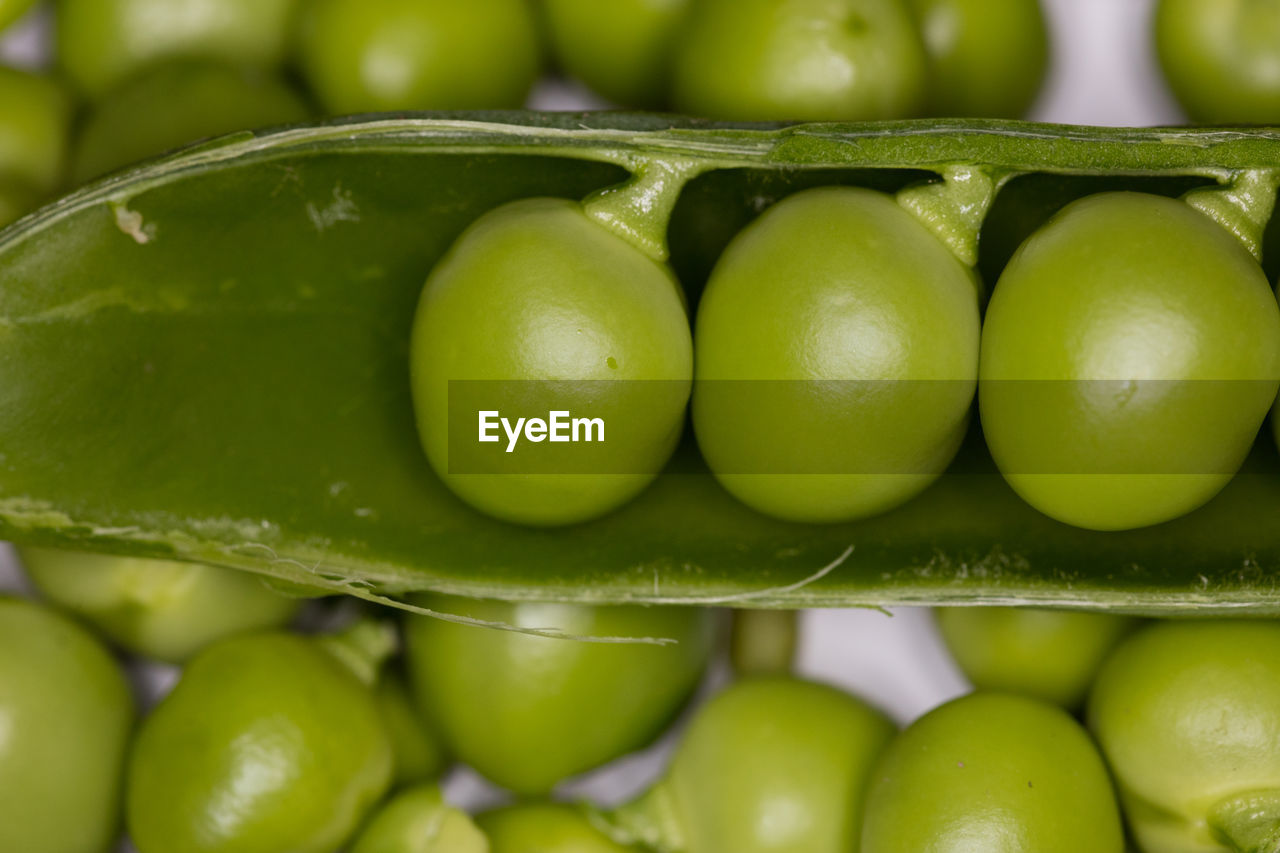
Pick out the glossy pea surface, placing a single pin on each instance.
(527, 711)
(102, 43)
(1220, 58)
(174, 104)
(621, 49)
(268, 743)
(418, 820)
(987, 58)
(992, 772)
(1052, 655)
(836, 355)
(378, 55)
(159, 609)
(544, 828)
(1130, 352)
(536, 291)
(775, 764)
(35, 125)
(803, 60)
(1188, 716)
(67, 712)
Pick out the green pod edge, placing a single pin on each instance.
(205, 358)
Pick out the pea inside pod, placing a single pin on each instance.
(836, 355)
(537, 308)
(1130, 353)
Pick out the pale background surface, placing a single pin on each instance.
(1103, 73)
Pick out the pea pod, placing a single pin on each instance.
(146, 350)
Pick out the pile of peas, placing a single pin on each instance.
(1122, 365)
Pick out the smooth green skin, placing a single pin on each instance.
(1134, 289)
(763, 642)
(774, 765)
(102, 43)
(1051, 655)
(268, 743)
(418, 820)
(12, 10)
(1221, 58)
(1188, 716)
(834, 284)
(992, 772)
(535, 290)
(159, 609)
(622, 49)
(386, 55)
(527, 711)
(987, 58)
(419, 755)
(174, 104)
(802, 60)
(544, 828)
(67, 712)
(35, 125)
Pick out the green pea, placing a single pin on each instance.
(849, 336)
(174, 104)
(1051, 655)
(621, 49)
(156, 608)
(35, 125)
(12, 10)
(383, 55)
(545, 828)
(536, 291)
(65, 716)
(799, 59)
(268, 743)
(1220, 58)
(987, 57)
(419, 755)
(528, 711)
(770, 764)
(419, 821)
(1115, 392)
(1188, 716)
(102, 43)
(996, 773)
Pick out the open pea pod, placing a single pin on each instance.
(207, 358)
